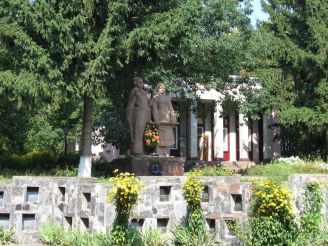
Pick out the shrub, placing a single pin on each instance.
(124, 194)
(39, 160)
(6, 236)
(259, 231)
(195, 233)
(320, 238)
(312, 218)
(272, 200)
(153, 237)
(54, 235)
(122, 235)
(185, 237)
(271, 219)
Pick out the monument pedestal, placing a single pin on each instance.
(146, 165)
(157, 165)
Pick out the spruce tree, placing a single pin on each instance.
(294, 69)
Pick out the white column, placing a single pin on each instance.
(276, 146)
(267, 138)
(243, 139)
(218, 132)
(255, 140)
(192, 134)
(232, 136)
(183, 131)
(208, 132)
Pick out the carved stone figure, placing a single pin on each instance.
(164, 118)
(138, 114)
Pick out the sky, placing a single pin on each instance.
(258, 13)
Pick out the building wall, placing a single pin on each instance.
(27, 202)
(248, 140)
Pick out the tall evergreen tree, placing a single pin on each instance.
(63, 51)
(294, 69)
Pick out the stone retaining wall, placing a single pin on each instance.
(27, 202)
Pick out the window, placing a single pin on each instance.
(237, 202)
(4, 221)
(230, 227)
(137, 223)
(28, 222)
(86, 200)
(205, 195)
(1, 198)
(162, 225)
(32, 194)
(85, 222)
(68, 221)
(211, 225)
(62, 192)
(164, 193)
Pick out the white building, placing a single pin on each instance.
(216, 136)
(222, 136)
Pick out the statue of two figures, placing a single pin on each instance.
(141, 109)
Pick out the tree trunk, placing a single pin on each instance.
(85, 156)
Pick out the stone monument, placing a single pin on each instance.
(139, 110)
(164, 118)
(138, 113)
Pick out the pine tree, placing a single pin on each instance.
(65, 51)
(293, 67)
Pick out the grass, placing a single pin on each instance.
(211, 170)
(283, 170)
(52, 234)
(6, 236)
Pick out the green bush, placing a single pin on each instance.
(154, 237)
(312, 218)
(124, 194)
(31, 160)
(259, 231)
(320, 238)
(6, 236)
(195, 233)
(185, 237)
(52, 234)
(39, 160)
(271, 219)
(121, 235)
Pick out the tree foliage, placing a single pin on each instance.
(292, 66)
(66, 52)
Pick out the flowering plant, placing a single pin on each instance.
(192, 190)
(151, 136)
(124, 193)
(272, 200)
(125, 190)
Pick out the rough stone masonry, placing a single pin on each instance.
(27, 202)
